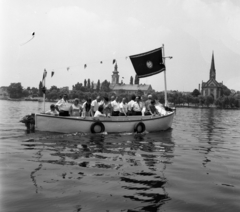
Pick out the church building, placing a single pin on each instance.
(212, 87)
(127, 88)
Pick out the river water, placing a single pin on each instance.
(195, 166)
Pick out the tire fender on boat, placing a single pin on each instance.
(139, 127)
(98, 123)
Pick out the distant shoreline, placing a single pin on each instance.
(204, 107)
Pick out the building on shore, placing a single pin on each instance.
(118, 88)
(212, 87)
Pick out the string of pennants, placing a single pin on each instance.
(85, 65)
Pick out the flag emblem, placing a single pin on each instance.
(149, 64)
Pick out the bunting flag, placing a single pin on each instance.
(100, 61)
(114, 61)
(148, 63)
(52, 73)
(33, 34)
(44, 74)
(68, 68)
(85, 65)
(126, 58)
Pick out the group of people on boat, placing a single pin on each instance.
(105, 107)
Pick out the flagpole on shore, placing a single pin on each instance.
(165, 78)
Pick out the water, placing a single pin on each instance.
(192, 167)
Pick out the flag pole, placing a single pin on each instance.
(44, 95)
(165, 78)
(44, 88)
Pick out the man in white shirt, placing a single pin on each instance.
(63, 106)
(115, 106)
(130, 105)
(123, 107)
(95, 104)
(137, 107)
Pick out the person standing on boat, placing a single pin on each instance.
(107, 107)
(95, 104)
(137, 107)
(62, 106)
(123, 107)
(75, 109)
(147, 103)
(130, 105)
(86, 108)
(115, 106)
(152, 109)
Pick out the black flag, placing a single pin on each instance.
(148, 63)
(52, 74)
(114, 61)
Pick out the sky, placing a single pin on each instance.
(71, 33)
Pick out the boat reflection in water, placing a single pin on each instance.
(103, 172)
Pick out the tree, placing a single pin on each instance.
(231, 101)
(136, 81)
(237, 103)
(140, 92)
(226, 101)
(15, 90)
(189, 99)
(196, 92)
(85, 83)
(77, 86)
(53, 87)
(88, 84)
(208, 100)
(226, 91)
(25, 93)
(105, 86)
(201, 100)
(92, 87)
(98, 85)
(131, 80)
(34, 90)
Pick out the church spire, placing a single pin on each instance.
(212, 69)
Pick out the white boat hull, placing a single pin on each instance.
(114, 124)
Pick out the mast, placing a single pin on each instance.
(44, 95)
(165, 79)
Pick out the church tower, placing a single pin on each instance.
(115, 76)
(212, 69)
(212, 87)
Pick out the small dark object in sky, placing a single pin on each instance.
(33, 34)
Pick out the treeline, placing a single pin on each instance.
(196, 99)
(16, 91)
(87, 90)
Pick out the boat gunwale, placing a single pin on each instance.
(104, 121)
